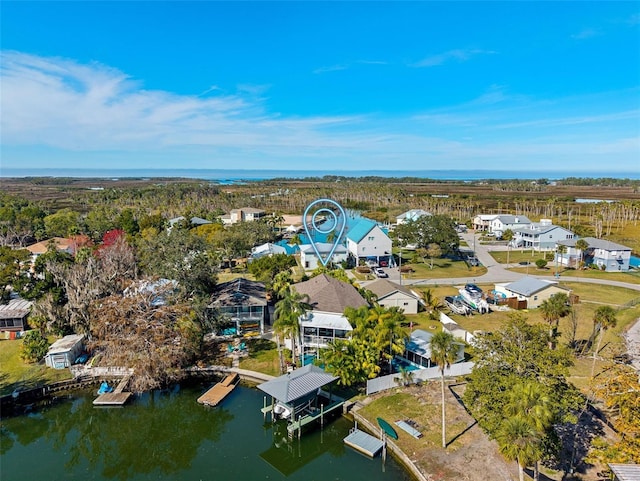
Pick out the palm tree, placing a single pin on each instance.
(552, 309)
(582, 245)
(508, 236)
(443, 352)
(432, 304)
(388, 329)
(528, 401)
(281, 283)
(519, 441)
(603, 319)
(288, 312)
(561, 250)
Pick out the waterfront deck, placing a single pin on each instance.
(311, 416)
(217, 393)
(364, 443)
(116, 398)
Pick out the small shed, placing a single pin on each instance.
(65, 351)
(625, 472)
(418, 349)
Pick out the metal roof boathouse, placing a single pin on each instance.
(299, 398)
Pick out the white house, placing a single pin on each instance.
(540, 236)
(390, 294)
(411, 216)
(310, 261)
(531, 289)
(481, 222)
(194, 221)
(607, 255)
(367, 240)
(246, 214)
(65, 351)
(501, 223)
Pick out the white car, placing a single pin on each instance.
(381, 273)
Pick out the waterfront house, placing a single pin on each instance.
(411, 216)
(390, 294)
(243, 303)
(328, 297)
(540, 236)
(529, 291)
(366, 240)
(608, 256)
(65, 351)
(418, 349)
(268, 249)
(13, 315)
(309, 258)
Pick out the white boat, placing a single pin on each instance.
(283, 412)
(476, 302)
(456, 305)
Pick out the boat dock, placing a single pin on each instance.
(217, 393)
(363, 442)
(116, 398)
(312, 416)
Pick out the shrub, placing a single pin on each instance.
(34, 347)
(541, 263)
(363, 270)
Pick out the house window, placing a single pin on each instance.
(406, 303)
(535, 298)
(370, 238)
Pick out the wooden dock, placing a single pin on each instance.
(217, 393)
(364, 443)
(116, 398)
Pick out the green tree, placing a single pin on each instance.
(582, 245)
(603, 318)
(34, 346)
(561, 250)
(127, 222)
(432, 304)
(63, 223)
(433, 250)
(443, 352)
(541, 263)
(552, 310)
(519, 441)
(288, 312)
(14, 271)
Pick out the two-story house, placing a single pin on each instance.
(501, 223)
(608, 256)
(366, 240)
(540, 236)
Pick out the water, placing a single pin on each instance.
(230, 176)
(167, 435)
(634, 262)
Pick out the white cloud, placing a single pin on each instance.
(331, 68)
(91, 112)
(586, 33)
(458, 55)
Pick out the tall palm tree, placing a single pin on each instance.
(519, 441)
(388, 329)
(529, 401)
(443, 352)
(553, 309)
(582, 245)
(561, 250)
(603, 319)
(288, 312)
(432, 304)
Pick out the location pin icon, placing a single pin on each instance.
(336, 222)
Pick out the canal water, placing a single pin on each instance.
(167, 435)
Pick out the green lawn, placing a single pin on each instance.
(263, 357)
(443, 268)
(516, 256)
(17, 374)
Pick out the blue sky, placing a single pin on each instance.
(321, 85)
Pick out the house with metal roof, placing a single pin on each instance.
(608, 256)
(243, 303)
(411, 216)
(540, 236)
(501, 223)
(625, 472)
(366, 240)
(390, 294)
(65, 351)
(418, 349)
(530, 289)
(13, 315)
(309, 257)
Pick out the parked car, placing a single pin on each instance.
(381, 273)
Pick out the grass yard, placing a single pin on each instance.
(443, 268)
(263, 357)
(516, 256)
(17, 374)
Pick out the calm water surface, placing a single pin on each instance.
(167, 435)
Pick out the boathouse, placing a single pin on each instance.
(63, 352)
(299, 398)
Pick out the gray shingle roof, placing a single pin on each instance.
(297, 384)
(328, 294)
(595, 243)
(239, 292)
(382, 288)
(527, 286)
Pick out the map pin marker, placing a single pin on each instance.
(336, 223)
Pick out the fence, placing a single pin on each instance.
(392, 380)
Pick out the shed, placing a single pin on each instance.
(65, 351)
(625, 472)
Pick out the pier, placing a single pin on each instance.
(217, 393)
(116, 398)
